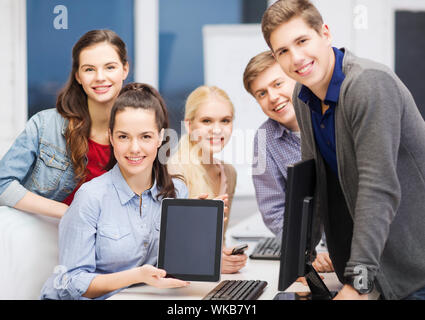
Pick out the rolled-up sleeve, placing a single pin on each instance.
(77, 250)
(18, 162)
(12, 194)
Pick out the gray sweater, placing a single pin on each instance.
(380, 147)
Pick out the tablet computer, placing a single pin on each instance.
(190, 239)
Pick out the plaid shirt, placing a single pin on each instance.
(281, 148)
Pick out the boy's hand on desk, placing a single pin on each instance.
(156, 278)
(323, 263)
(232, 263)
(349, 293)
(304, 281)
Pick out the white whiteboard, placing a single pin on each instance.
(227, 51)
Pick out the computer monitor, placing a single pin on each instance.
(296, 253)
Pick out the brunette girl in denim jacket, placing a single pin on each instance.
(61, 148)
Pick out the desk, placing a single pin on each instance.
(254, 270)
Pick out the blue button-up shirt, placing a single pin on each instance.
(108, 228)
(275, 147)
(324, 124)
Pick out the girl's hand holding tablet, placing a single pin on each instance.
(156, 277)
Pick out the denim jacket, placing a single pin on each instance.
(38, 161)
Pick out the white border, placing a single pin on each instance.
(14, 89)
(21, 68)
(20, 93)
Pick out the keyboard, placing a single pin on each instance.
(237, 290)
(266, 249)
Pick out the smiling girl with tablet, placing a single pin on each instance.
(108, 239)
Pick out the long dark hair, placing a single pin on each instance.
(144, 96)
(72, 100)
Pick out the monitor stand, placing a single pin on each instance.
(318, 289)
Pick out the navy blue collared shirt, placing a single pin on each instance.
(324, 124)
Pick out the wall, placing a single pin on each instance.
(13, 82)
(146, 41)
(181, 67)
(224, 68)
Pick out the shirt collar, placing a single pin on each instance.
(334, 87)
(154, 191)
(338, 77)
(124, 191)
(280, 129)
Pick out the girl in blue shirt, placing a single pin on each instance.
(108, 238)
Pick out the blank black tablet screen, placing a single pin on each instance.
(190, 242)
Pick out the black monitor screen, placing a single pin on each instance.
(299, 192)
(191, 240)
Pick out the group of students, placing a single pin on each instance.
(94, 162)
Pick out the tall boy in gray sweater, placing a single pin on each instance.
(363, 128)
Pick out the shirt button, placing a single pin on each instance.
(322, 126)
(145, 244)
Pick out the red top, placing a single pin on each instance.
(98, 157)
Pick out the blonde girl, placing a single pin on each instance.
(208, 120)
